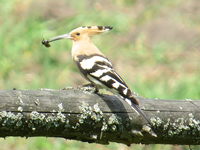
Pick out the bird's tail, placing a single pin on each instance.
(137, 109)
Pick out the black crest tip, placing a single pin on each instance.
(108, 27)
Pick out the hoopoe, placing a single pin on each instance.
(94, 66)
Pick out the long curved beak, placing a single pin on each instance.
(64, 36)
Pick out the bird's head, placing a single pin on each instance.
(85, 32)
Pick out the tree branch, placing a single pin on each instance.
(84, 116)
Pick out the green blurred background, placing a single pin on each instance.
(154, 46)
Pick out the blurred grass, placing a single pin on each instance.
(154, 46)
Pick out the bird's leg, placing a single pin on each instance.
(89, 87)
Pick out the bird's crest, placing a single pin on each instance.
(92, 30)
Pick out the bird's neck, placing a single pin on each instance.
(85, 47)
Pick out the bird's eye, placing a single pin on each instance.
(78, 33)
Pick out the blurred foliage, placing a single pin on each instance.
(154, 45)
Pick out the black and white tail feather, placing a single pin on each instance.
(137, 109)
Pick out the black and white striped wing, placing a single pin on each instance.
(99, 71)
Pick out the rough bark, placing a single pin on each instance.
(81, 115)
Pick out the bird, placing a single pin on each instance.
(94, 66)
